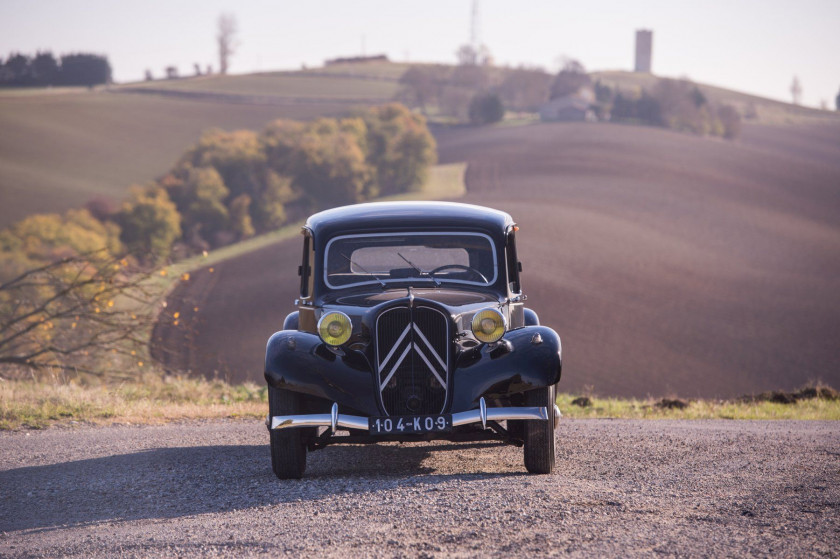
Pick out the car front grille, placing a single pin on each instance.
(412, 356)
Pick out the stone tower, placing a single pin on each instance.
(644, 50)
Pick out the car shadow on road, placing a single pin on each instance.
(173, 482)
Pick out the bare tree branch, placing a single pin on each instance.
(81, 313)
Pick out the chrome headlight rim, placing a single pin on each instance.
(334, 341)
(497, 333)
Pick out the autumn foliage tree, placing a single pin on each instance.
(69, 300)
(150, 223)
(400, 148)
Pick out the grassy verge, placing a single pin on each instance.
(154, 399)
(812, 408)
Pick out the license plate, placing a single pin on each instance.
(410, 424)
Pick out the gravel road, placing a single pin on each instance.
(622, 488)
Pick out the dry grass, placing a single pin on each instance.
(155, 399)
(812, 409)
(37, 404)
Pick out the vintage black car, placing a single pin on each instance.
(411, 326)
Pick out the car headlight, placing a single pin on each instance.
(335, 328)
(488, 326)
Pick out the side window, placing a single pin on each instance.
(305, 269)
(513, 266)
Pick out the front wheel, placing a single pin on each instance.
(288, 448)
(539, 434)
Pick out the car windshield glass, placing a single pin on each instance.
(427, 258)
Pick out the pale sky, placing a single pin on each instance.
(755, 46)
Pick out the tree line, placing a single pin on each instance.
(43, 69)
(480, 94)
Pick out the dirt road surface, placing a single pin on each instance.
(622, 488)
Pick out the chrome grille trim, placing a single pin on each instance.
(422, 368)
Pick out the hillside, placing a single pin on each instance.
(669, 264)
(754, 108)
(60, 148)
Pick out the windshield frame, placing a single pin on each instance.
(490, 281)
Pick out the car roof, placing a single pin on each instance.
(376, 216)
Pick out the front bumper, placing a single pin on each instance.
(483, 414)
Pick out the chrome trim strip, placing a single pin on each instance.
(395, 367)
(499, 414)
(429, 365)
(319, 420)
(431, 347)
(396, 344)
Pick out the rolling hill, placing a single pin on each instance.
(669, 264)
(61, 148)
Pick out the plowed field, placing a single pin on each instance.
(669, 264)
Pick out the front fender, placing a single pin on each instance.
(300, 362)
(526, 358)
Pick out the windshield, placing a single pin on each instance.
(433, 258)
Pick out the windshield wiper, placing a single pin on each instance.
(419, 271)
(356, 264)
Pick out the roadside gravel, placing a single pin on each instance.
(622, 488)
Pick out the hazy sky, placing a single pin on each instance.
(755, 46)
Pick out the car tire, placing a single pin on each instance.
(288, 447)
(539, 434)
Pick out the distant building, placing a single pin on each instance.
(644, 50)
(571, 108)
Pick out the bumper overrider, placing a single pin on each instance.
(526, 359)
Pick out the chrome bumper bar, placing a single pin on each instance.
(483, 414)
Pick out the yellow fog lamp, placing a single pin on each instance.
(335, 328)
(488, 326)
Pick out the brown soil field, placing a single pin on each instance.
(669, 264)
